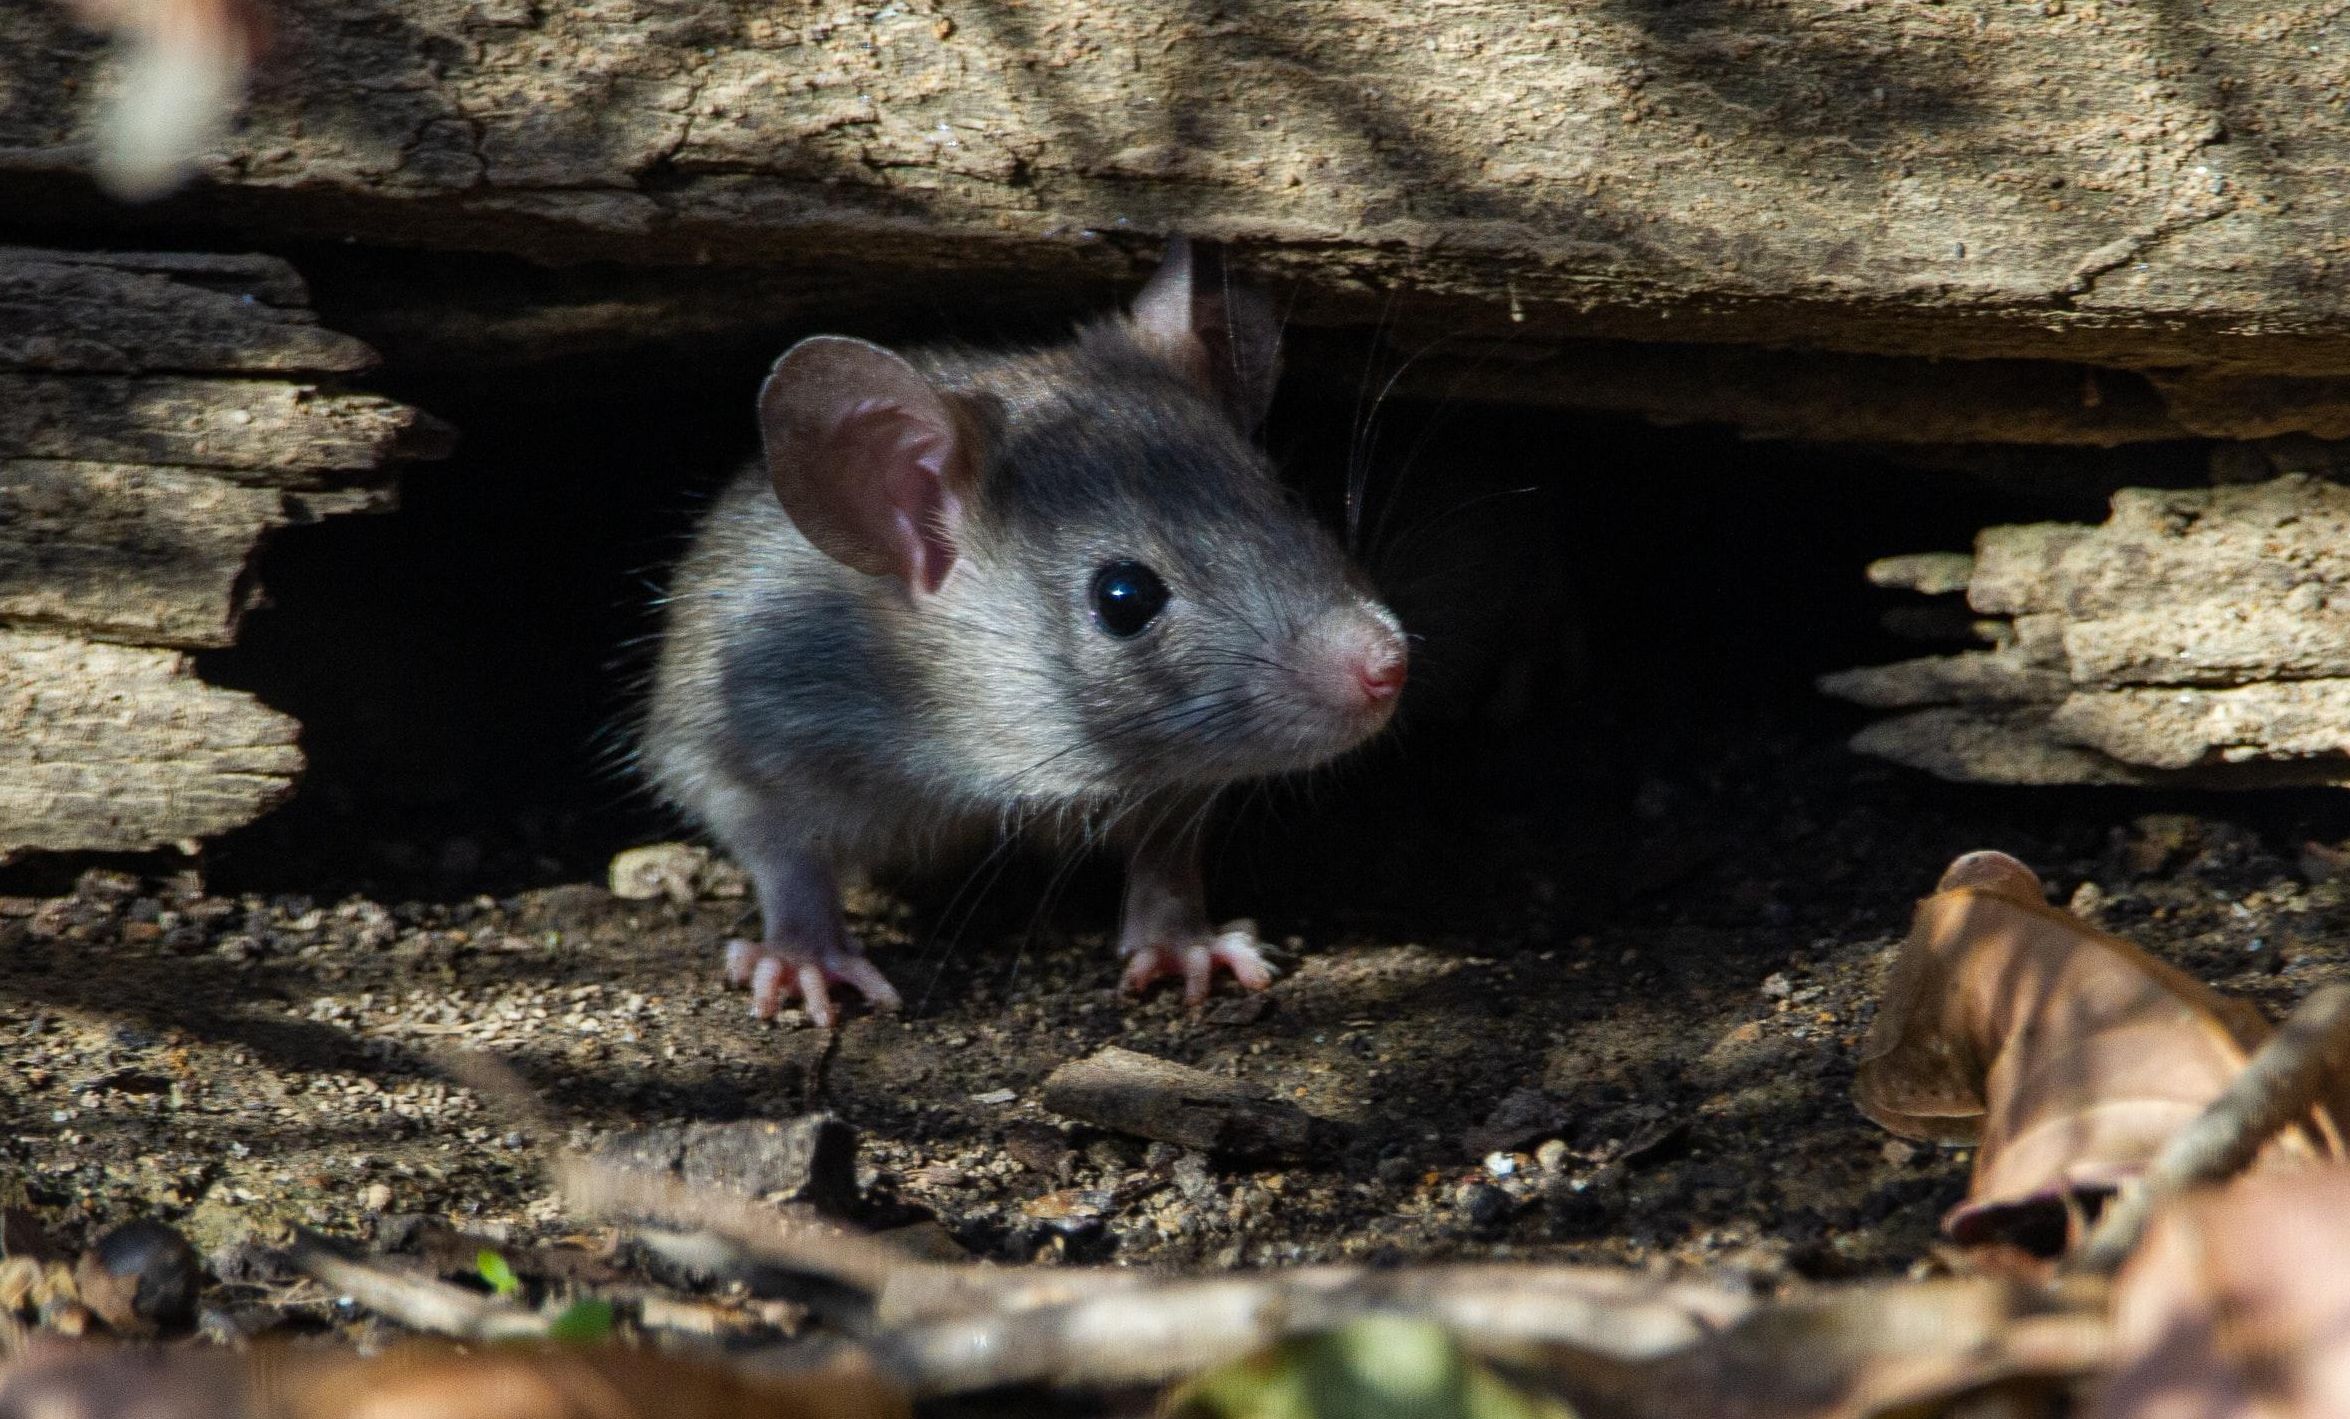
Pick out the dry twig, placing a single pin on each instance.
(418, 1302)
(2277, 1089)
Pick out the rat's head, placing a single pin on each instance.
(1097, 535)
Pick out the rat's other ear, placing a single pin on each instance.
(1221, 336)
(869, 459)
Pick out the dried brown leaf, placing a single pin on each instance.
(428, 1382)
(2067, 1056)
(2238, 1304)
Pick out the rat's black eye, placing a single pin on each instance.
(1126, 595)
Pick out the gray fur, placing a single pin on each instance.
(796, 696)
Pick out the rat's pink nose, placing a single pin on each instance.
(1363, 661)
(1380, 671)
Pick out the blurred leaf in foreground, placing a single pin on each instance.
(179, 77)
(584, 1322)
(1376, 1368)
(2237, 1305)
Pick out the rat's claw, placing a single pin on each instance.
(779, 973)
(1235, 948)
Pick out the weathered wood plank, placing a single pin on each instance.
(1980, 677)
(2250, 546)
(261, 431)
(2131, 184)
(129, 313)
(119, 748)
(147, 555)
(1991, 744)
(2267, 722)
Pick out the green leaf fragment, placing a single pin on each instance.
(494, 1270)
(583, 1322)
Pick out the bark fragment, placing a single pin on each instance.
(121, 748)
(2198, 636)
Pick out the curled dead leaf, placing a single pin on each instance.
(2067, 1056)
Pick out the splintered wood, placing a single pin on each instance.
(2198, 637)
(159, 416)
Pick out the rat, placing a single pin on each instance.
(1055, 588)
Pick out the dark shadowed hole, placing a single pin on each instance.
(1610, 620)
(1594, 598)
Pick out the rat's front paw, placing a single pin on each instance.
(1235, 948)
(777, 973)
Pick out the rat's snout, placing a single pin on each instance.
(1356, 660)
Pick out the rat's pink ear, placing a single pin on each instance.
(868, 458)
(1222, 336)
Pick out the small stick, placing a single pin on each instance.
(595, 1189)
(418, 1302)
(2278, 1087)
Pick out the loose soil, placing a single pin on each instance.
(1663, 1010)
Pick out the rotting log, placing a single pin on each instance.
(119, 748)
(2198, 636)
(2141, 185)
(160, 415)
(270, 431)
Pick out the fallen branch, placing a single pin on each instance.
(1164, 1329)
(2277, 1089)
(943, 1328)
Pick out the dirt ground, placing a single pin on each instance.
(1651, 1070)
(1586, 990)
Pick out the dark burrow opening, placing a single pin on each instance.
(1608, 616)
(1590, 598)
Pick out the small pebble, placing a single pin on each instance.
(995, 1096)
(1194, 1178)
(1501, 1165)
(1551, 1156)
(377, 1197)
(1484, 1204)
(1900, 1154)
